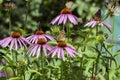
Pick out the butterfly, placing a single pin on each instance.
(61, 36)
(69, 4)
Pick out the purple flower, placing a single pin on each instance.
(59, 50)
(2, 74)
(38, 48)
(39, 34)
(3, 62)
(64, 16)
(97, 21)
(14, 41)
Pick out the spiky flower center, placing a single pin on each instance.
(39, 32)
(97, 19)
(65, 11)
(41, 41)
(62, 44)
(15, 34)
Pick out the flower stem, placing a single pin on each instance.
(112, 30)
(68, 32)
(42, 65)
(61, 69)
(10, 25)
(96, 30)
(27, 8)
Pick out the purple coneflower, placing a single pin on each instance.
(65, 15)
(37, 48)
(97, 21)
(14, 41)
(59, 50)
(39, 34)
(2, 74)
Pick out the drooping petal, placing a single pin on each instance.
(55, 20)
(59, 50)
(65, 19)
(89, 23)
(38, 51)
(48, 47)
(72, 50)
(94, 23)
(20, 43)
(30, 38)
(106, 24)
(44, 50)
(16, 45)
(61, 19)
(49, 37)
(23, 42)
(30, 48)
(69, 51)
(55, 51)
(33, 51)
(12, 43)
(6, 42)
(62, 54)
(72, 19)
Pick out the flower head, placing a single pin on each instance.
(14, 41)
(97, 21)
(64, 16)
(36, 49)
(59, 50)
(9, 4)
(39, 34)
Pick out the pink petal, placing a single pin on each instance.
(106, 24)
(55, 51)
(61, 19)
(72, 19)
(65, 19)
(38, 51)
(94, 23)
(12, 44)
(16, 45)
(55, 20)
(62, 54)
(49, 37)
(44, 50)
(59, 50)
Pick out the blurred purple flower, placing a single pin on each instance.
(14, 41)
(59, 50)
(38, 47)
(64, 16)
(97, 21)
(39, 34)
(3, 62)
(2, 74)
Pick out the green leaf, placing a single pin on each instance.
(15, 78)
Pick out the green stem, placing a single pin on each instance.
(112, 30)
(10, 25)
(96, 30)
(110, 55)
(62, 70)
(81, 66)
(68, 32)
(27, 8)
(97, 61)
(93, 67)
(42, 65)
